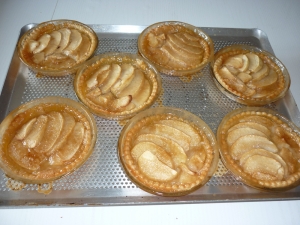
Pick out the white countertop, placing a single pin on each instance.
(279, 19)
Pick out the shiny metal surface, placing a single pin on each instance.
(101, 180)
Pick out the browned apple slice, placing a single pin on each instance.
(52, 132)
(94, 93)
(156, 150)
(140, 97)
(171, 147)
(186, 128)
(253, 125)
(267, 82)
(260, 74)
(248, 142)
(234, 82)
(82, 50)
(25, 129)
(121, 102)
(75, 41)
(43, 42)
(255, 63)
(73, 142)
(235, 134)
(37, 132)
(172, 133)
(127, 74)
(263, 165)
(185, 45)
(102, 99)
(98, 76)
(20, 154)
(156, 41)
(259, 119)
(53, 43)
(153, 168)
(234, 61)
(65, 38)
(38, 57)
(135, 85)
(196, 159)
(245, 77)
(67, 127)
(111, 78)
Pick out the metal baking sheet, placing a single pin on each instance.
(101, 180)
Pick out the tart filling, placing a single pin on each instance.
(253, 77)
(167, 155)
(261, 148)
(57, 45)
(176, 48)
(117, 85)
(45, 141)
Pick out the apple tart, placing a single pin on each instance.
(176, 48)
(117, 85)
(168, 151)
(46, 138)
(249, 75)
(57, 47)
(261, 147)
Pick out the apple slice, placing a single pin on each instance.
(260, 74)
(264, 165)
(255, 62)
(43, 42)
(185, 45)
(253, 125)
(171, 147)
(267, 82)
(172, 133)
(268, 123)
(65, 38)
(196, 159)
(111, 78)
(153, 168)
(52, 132)
(156, 150)
(141, 96)
(127, 74)
(81, 52)
(98, 76)
(25, 129)
(75, 41)
(245, 77)
(235, 134)
(121, 102)
(73, 142)
(248, 142)
(37, 132)
(135, 85)
(53, 43)
(186, 128)
(67, 127)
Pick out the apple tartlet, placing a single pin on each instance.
(261, 147)
(249, 75)
(57, 47)
(176, 48)
(168, 151)
(46, 138)
(117, 85)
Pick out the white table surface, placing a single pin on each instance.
(279, 19)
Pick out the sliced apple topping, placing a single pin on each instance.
(250, 141)
(53, 43)
(42, 43)
(153, 168)
(263, 165)
(249, 75)
(235, 134)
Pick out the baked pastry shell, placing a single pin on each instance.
(32, 179)
(150, 72)
(177, 72)
(39, 70)
(251, 101)
(175, 112)
(236, 170)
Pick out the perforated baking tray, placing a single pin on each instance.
(101, 180)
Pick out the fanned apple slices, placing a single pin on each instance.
(176, 48)
(57, 45)
(46, 140)
(115, 86)
(262, 149)
(253, 77)
(167, 154)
